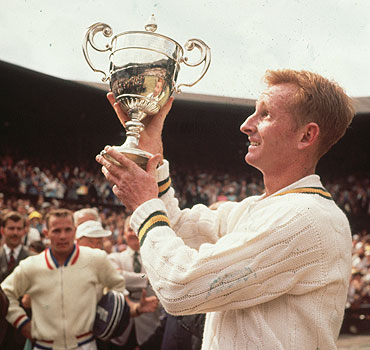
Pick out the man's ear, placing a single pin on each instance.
(309, 135)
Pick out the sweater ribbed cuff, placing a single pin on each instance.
(163, 171)
(163, 178)
(21, 321)
(164, 186)
(147, 216)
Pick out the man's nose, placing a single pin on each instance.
(248, 126)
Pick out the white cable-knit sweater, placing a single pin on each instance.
(271, 273)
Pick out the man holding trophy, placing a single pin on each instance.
(270, 272)
(283, 258)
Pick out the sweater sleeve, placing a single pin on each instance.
(15, 286)
(236, 271)
(210, 224)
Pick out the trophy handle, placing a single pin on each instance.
(205, 53)
(89, 39)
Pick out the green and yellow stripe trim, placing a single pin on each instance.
(156, 219)
(308, 190)
(164, 186)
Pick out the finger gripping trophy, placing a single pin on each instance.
(143, 70)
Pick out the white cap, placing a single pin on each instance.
(92, 229)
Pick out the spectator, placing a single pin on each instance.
(32, 233)
(141, 330)
(91, 234)
(85, 214)
(4, 304)
(11, 254)
(66, 273)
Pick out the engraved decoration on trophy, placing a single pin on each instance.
(143, 70)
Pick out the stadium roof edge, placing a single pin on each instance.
(190, 97)
(361, 104)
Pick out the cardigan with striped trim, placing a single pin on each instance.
(63, 298)
(251, 266)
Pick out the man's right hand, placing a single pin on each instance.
(151, 137)
(148, 304)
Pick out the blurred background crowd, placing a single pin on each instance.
(32, 188)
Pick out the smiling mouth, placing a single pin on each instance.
(254, 143)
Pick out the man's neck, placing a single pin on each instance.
(134, 250)
(61, 258)
(283, 178)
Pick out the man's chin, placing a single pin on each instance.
(249, 159)
(64, 248)
(253, 162)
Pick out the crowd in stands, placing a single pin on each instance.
(33, 188)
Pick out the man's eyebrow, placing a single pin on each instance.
(261, 102)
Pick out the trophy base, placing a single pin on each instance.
(138, 156)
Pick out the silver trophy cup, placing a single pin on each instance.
(143, 71)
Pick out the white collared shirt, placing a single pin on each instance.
(16, 251)
(132, 252)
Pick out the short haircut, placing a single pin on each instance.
(78, 214)
(14, 216)
(318, 100)
(60, 213)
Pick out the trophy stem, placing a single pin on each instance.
(130, 147)
(134, 127)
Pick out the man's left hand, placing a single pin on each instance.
(131, 184)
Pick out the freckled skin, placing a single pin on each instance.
(272, 127)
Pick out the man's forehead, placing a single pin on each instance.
(267, 94)
(280, 93)
(11, 222)
(58, 220)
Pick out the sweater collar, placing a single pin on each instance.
(52, 263)
(307, 181)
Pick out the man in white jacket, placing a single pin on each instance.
(272, 271)
(61, 282)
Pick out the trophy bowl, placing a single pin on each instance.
(143, 71)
